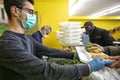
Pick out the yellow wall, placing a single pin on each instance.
(52, 12)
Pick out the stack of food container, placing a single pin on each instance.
(70, 33)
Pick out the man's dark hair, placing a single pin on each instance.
(88, 23)
(17, 3)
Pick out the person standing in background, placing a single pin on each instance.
(98, 35)
(42, 33)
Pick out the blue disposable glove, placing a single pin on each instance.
(98, 63)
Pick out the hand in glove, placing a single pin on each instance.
(98, 63)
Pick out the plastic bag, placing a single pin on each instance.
(104, 74)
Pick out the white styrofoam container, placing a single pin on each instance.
(71, 24)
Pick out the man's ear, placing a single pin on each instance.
(14, 11)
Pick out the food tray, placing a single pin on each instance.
(85, 56)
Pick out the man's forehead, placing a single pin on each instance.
(28, 5)
(48, 30)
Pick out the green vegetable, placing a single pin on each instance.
(2, 28)
(70, 62)
(89, 46)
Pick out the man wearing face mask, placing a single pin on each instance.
(42, 33)
(98, 35)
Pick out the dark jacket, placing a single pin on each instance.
(38, 36)
(18, 60)
(112, 50)
(101, 37)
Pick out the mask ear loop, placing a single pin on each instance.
(21, 20)
(24, 13)
(19, 11)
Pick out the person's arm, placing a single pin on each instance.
(51, 52)
(16, 58)
(109, 50)
(106, 38)
(112, 50)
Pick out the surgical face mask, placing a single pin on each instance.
(30, 22)
(44, 35)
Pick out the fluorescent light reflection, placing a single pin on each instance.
(75, 7)
(109, 11)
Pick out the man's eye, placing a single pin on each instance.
(30, 12)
